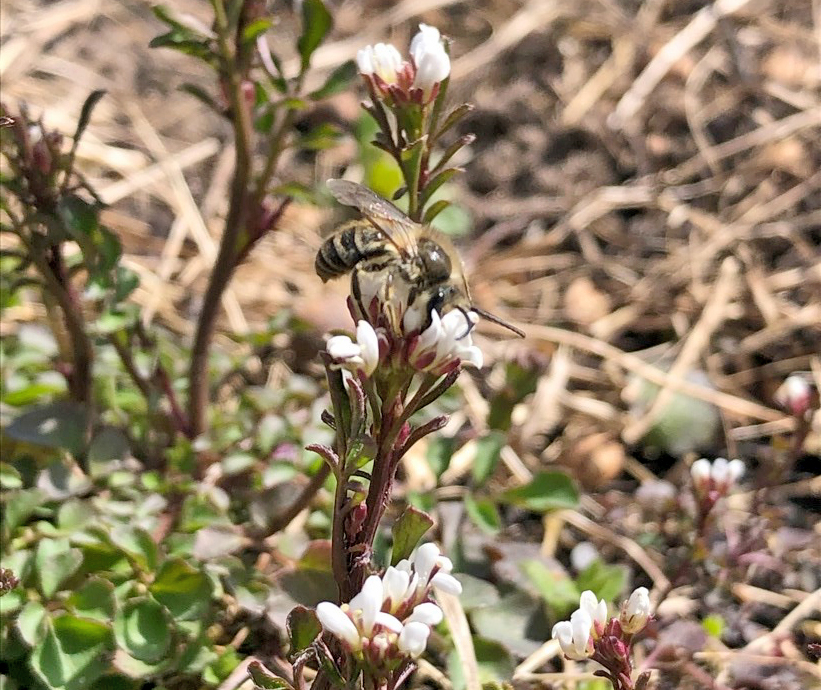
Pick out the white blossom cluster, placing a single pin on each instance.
(445, 343)
(392, 616)
(719, 476)
(578, 636)
(429, 64)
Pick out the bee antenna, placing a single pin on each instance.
(495, 319)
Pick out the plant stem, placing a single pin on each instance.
(235, 226)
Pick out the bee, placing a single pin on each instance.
(411, 262)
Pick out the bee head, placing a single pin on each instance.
(436, 264)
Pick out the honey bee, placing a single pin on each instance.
(412, 262)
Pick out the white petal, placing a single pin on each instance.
(364, 60)
(720, 470)
(341, 347)
(432, 67)
(472, 356)
(736, 469)
(445, 564)
(432, 334)
(368, 601)
(563, 632)
(413, 638)
(336, 621)
(426, 37)
(369, 344)
(404, 565)
(388, 621)
(581, 624)
(427, 613)
(446, 583)
(387, 61)
(424, 559)
(700, 471)
(395, 585)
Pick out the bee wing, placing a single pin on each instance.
(397, 227)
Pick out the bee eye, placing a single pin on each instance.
(436, 261)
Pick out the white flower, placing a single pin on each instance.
(414, 638)
(427, 37)
(368, 603)
(362, 354)
(381, 60)
(720, 476)
(596, 609)
(336, 621)
(427, 613)
(574, 635)
(446, 341)
(635, 611)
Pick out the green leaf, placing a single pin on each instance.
(303, 629)
(9, 477)
(436, 182)
(476, 593)
(434, 210)
(323, 136)
(440, 451)
(606, 581)
(256, 28)
(27, 395)
(546, 491)
(143, 628)
(95, 599)
(483, 513)
(264, 679)
(488, 452)
(515, 621)
(74, 514)
(19, 508)
(31, 623)
(55, 561)
(559, 592)
(338, 81)
(182, 589)
(58, 425)
(137, 543)
(109, 444)
(316, 23)
(72, 654)
(317, 556)
(202, 96)
(85, 113)
(408, 529)
(453, 118)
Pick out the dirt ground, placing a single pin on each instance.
(644, 188)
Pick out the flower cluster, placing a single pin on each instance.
(398, 80)
(438, 349)
(713, 480)
(591, 634)
(390, 619)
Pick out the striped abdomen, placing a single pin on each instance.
(357, 242)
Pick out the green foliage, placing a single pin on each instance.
(545, 492)
(408, 529)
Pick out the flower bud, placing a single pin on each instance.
(635, 612)
(382, 60)
(795, 395)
